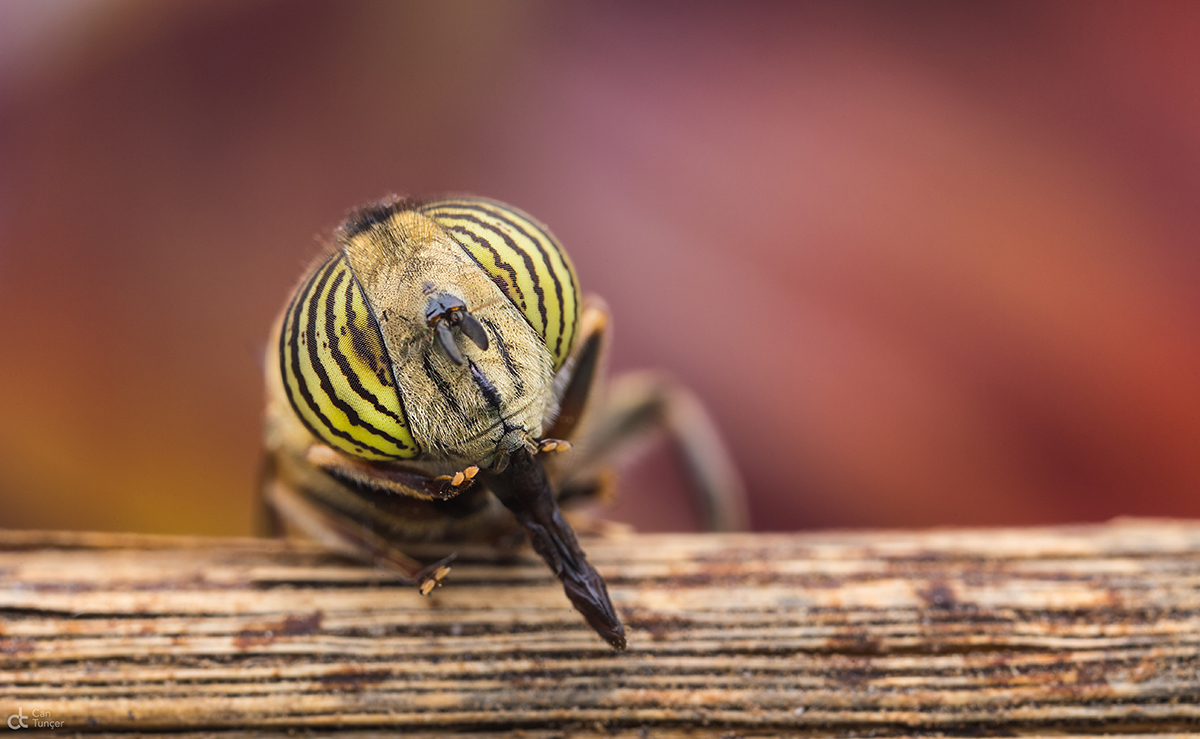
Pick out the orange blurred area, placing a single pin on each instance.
(927, 263)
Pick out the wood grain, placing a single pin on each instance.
(1083, 630)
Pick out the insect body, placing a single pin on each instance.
(424, 370)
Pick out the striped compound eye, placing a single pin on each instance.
(337, 371)
(523, 259)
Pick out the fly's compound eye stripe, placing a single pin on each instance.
(336, 371)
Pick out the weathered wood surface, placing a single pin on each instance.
(1077, 630)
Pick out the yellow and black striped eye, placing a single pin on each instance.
(524, 260)
(336, 373)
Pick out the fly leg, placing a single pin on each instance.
(611, 425)
(292, 512)
(640, 407)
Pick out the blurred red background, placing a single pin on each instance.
(928, 263)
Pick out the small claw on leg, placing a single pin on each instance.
(553, 445)
(431, 577)
(459, 479)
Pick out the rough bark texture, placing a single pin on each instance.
(1081, 630)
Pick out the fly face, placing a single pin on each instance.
(474, 377)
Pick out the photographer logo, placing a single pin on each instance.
(35, 719)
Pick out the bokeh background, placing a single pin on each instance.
(928, 263)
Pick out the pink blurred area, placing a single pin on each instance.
(927, 263)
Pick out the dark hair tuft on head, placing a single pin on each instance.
(370, 215)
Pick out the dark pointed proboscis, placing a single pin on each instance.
(523, 488)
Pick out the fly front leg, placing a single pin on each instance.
(359, 508)
(584, 373)
(297, 513)
(392, 478)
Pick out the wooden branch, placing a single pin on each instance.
(1088, 629)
